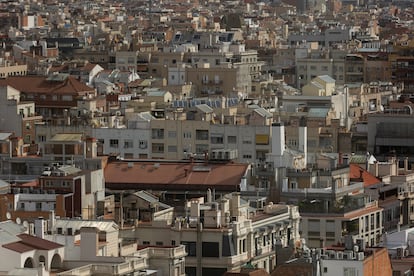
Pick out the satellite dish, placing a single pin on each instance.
(18, 221)
(26, 224)
(8, 215)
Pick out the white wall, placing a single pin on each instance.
(136, 135)
(336, 267)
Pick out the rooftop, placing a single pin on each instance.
(174, 175)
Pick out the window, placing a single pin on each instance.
(350, 271)
(210, 249)
(158, 148)
(232, 139)
(172, 134)
(247, 156)
(247, 140)
(142, 144)
(201, 134)
(145, 242)
(172, 148)
(38, 206)
(22, 205)
(158, 133)
(159, 243)
(217, 139)
(113, 143)
(67, 98)
(292, 142)
(187, 134)
(190, 247)
(27, 139)
(128, 144)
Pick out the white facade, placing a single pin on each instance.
(127, 143)
(12, 110)
(243, 138)
(34, 202)
(176, 75)
(342, 267)
(229, 235)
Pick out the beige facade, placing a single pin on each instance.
(176, 139)
(214, 80)
(223, 236)
(322, 85)
(313, 66)
(12, 70)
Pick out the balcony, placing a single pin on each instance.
(223, 261)
(345, 205)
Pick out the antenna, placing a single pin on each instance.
(8, 215)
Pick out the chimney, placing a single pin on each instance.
(52, 221)
(209, 197)
(278, 139)
(40, 228)
(89, 243)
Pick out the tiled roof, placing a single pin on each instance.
(29, 243)
(356, 172)
(18, 247)
(40, 84)
(174, 176)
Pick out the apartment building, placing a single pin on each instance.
(330, 206)
(339, 260)
(316, 63)
(8, 68)
(389, 133)
(51, 95)
(402, 60)
(354, 68)
(177, 139)
(222, 235)
(21, 114)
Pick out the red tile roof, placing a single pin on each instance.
(356, 172)
(174, 176)
(18, 247)
(40, 84)
(28, 243)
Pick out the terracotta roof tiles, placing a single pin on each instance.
(29, 243)
(356, 172)
(174, 176)
(40, 84)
